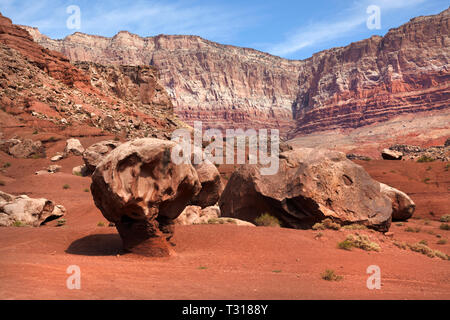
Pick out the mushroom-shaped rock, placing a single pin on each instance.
(310, 185)
(138, 188)
(402, 205)
(93, 155)
(212, 186)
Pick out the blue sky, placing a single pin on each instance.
(288, 28)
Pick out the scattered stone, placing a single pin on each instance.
(352, 156)
(26, 148)
(93, 155)
(25, 211)
(137, 187)
(388, 154)
(80, 171)
(73, 146)
(59, 156)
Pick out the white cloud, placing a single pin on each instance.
(351, 19)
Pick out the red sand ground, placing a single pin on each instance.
(217, 261)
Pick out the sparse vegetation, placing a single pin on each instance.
(400, 224)
(354, 226)
(424, 249)
(410, 229)
(267, 220)
(78, 174)
(442, 241)
(330, 275)
(445, 218)
(444, 226)
(66, 186)
(401, 245)
(35, 131)
(276, 271)
(427, 222)
(7, 165)
(61, 222)
(425, 242)
(425, 158)
(426, 180)
(86, 190)
(447, 167)
(18, 224)
(2, 183)
(359, 241)
(326, 224)
(100, 224)
(429, 168)
(202, 268)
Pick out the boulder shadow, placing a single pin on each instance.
(97, 245)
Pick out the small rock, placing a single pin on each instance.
(74, 147)
(388, 154)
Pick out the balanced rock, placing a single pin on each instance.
(310, 185)
(402, 205)
(138, 188)
(93, 155)
(388, 154)
(27, 211)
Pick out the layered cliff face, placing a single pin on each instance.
(41, 89)
(406, 71)
(224, 86)
(373, 80)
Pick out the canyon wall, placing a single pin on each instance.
(406, 71)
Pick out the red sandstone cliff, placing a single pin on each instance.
(373, 80)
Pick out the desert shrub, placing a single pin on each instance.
(426, 180)
(318, 226)
(425, 158)
(66, 186)
(401, 245)
(424, 249)
(444, 226)
(425, 242)
(61, 222)
(447, 167)
(400, 224)
(359, 241)
(7, 165)
(330, 275)
(267, 220)
(355, 226)
(445, 218)
(100, 224)
(442, 241)
(276, 271)
(18, 224)
(86, 190)
(409, 229)
(327, 224)
(2, 183)
(216, 221)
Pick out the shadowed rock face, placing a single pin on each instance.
(311, 185)
(139, 189)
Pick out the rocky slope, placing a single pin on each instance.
(225, 86)
(41, 90)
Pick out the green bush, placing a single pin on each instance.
(359, 241)
(330, 275)
(445, 218)
(445, 226)
(267, 220)
(425, 158)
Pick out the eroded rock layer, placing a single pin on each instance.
(224, 86)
